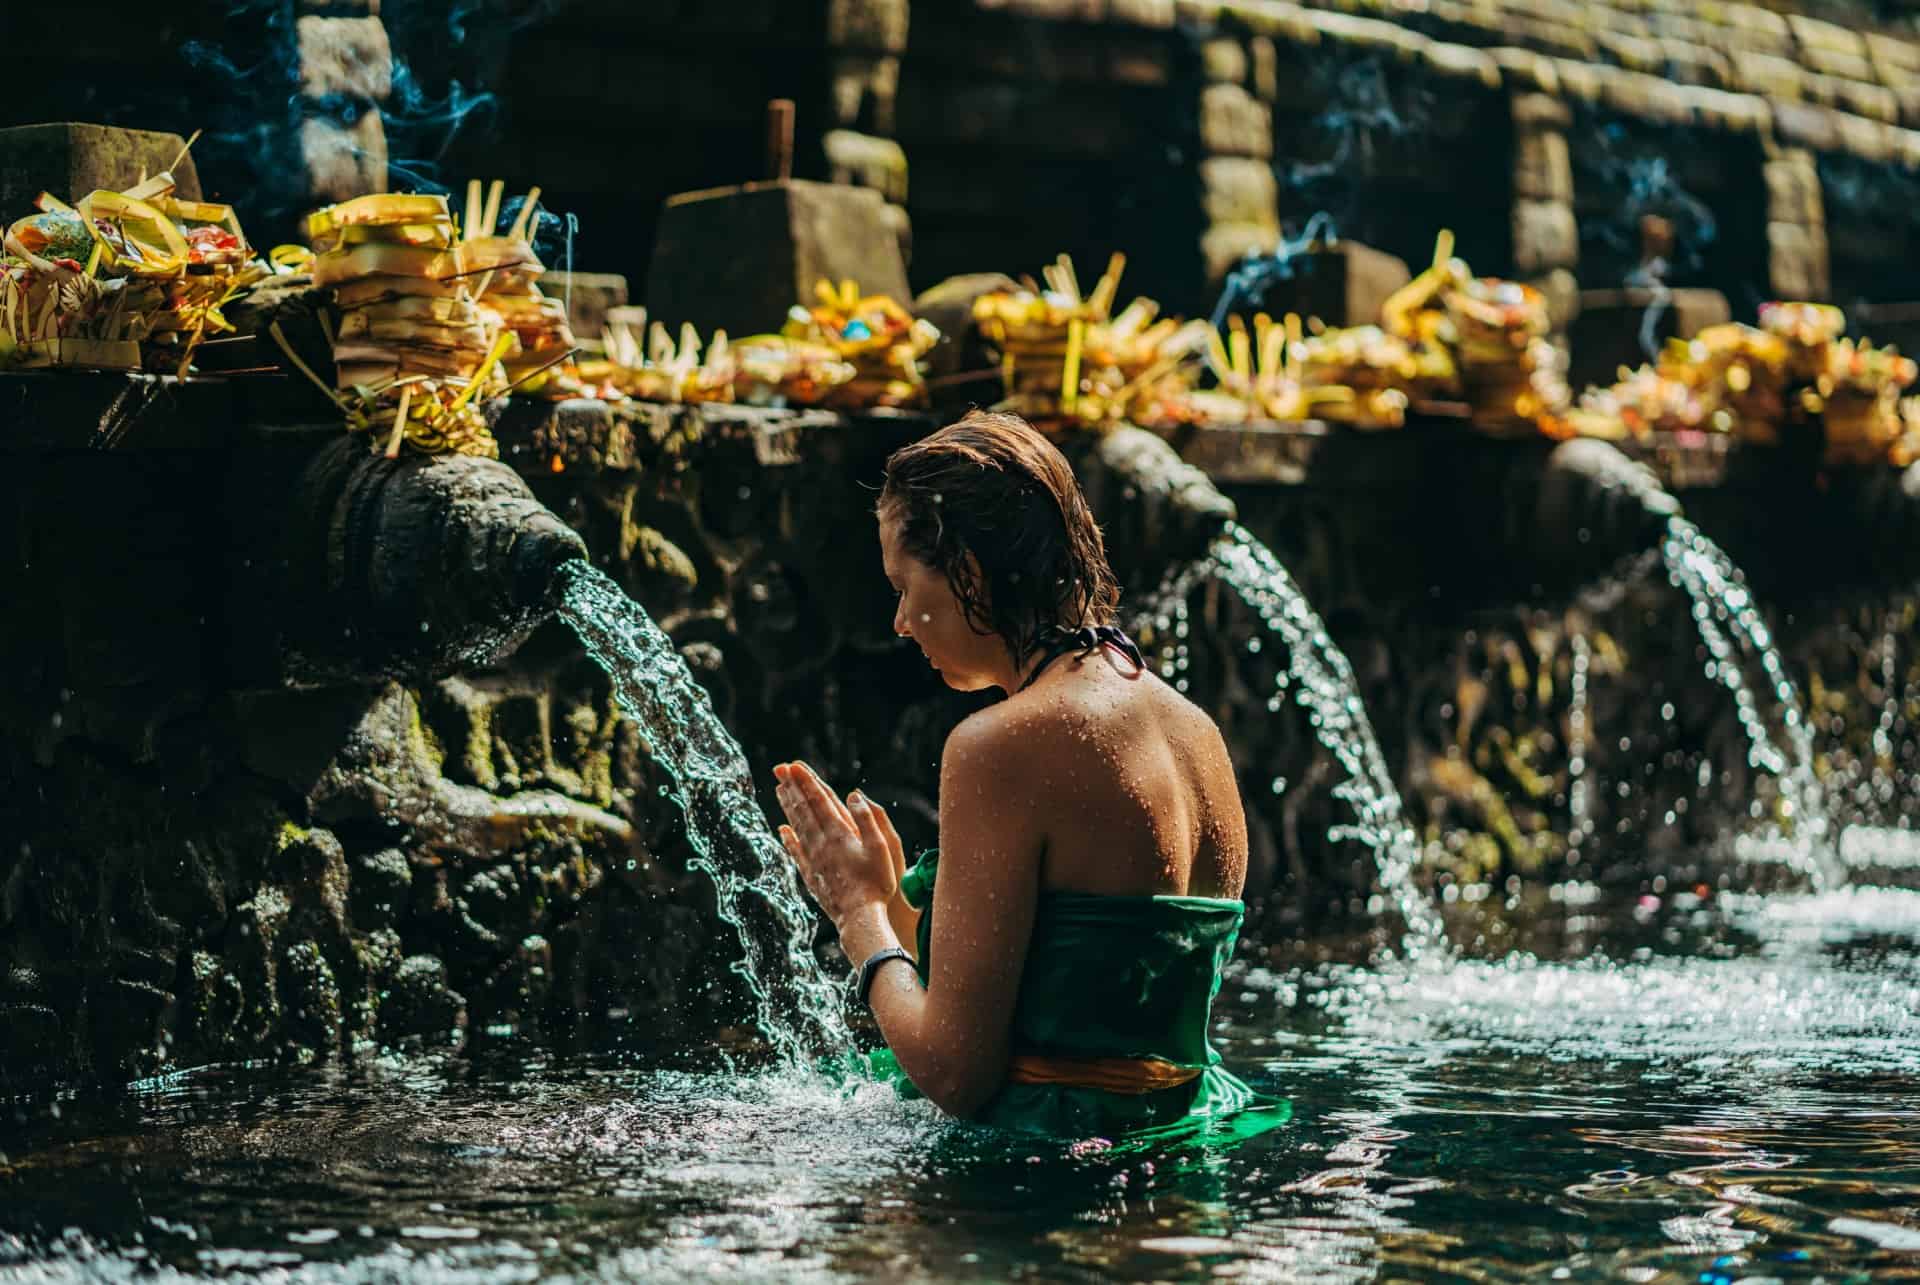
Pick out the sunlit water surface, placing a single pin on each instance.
(1738, 1101)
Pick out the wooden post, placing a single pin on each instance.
(780, 139)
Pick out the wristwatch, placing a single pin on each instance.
(863, 982)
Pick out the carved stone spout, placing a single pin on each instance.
(413, 567)
(1592, 508)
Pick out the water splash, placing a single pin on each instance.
(1321, 679)
(1724, 611)
(1579, 743)
(797, 1008)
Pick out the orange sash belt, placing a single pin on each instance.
(1129, 1075)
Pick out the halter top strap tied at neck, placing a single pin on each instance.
(1060, 641)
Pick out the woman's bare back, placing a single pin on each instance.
(1130, 784)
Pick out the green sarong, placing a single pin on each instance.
(1114, 977)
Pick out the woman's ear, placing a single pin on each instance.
(976, 577)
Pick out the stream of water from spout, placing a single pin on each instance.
(1725, 612)
(1321, 680)
(798, 1009)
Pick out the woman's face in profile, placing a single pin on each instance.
(927, 612)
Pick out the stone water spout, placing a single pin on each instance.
(411, 567)
(1591, 507)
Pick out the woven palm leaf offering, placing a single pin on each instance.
(1807, 329)
(1643, 402)
(1256, 375)
(1378, 370)
(1511, 374)
(648, 364)
(1859, 398)
(1739, 372)
(1041, 336)
(1140, 368)
(120, 279)
(414, 357)
(777, 370)
(1417, 315)
(504, 270)
(873, 334)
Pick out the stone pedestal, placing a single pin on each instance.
(1614, 325)
(736, 258)
(70, 159)
(1343, 285)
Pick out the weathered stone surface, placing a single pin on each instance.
(71, 159)
(589, 296)
(1235, 123)
(1224, 244)
(1142, 13)
(1542, 166)
(1265, 60)
(1796, 261)
(1239, 190)
(1540, 112)
(865, 88)
(349, 57)
(421, 1005)
(1224, 60)
(778, 240)
(876, 25)
(864, 160)
(1793, 188)
(343, 162)
(1545, 236)
(380, 885)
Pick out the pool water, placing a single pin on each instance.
(1732, 1093)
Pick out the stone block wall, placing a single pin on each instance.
(199, 861)
(1037, 129)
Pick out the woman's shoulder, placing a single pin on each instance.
(1069, 718)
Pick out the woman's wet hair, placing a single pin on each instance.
(992, 486)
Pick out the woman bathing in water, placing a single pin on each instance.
(1057, 976)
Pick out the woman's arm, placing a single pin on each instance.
(952, 1038)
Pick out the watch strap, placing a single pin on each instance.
(863, 984)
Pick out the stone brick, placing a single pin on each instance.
(1157, 14)
(1266, 68)
(865, 161)
(589, 296)
(1814, 36)
(1793, 188)
(1225, 244)
(1052, 10)
(1462, 62)
(344, 56)
(1239, 190)
(1525, 70)
(1796, 261)
(1766, 75)
(878, 26)
(1542, 169)
(1540, 111)
(1545, 236)
(344, 162)
(1801, 125)
(1224, 61)
(1697, 64)
(70, 159)
(1235, 123)
(865, 89)
(1875, 102)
